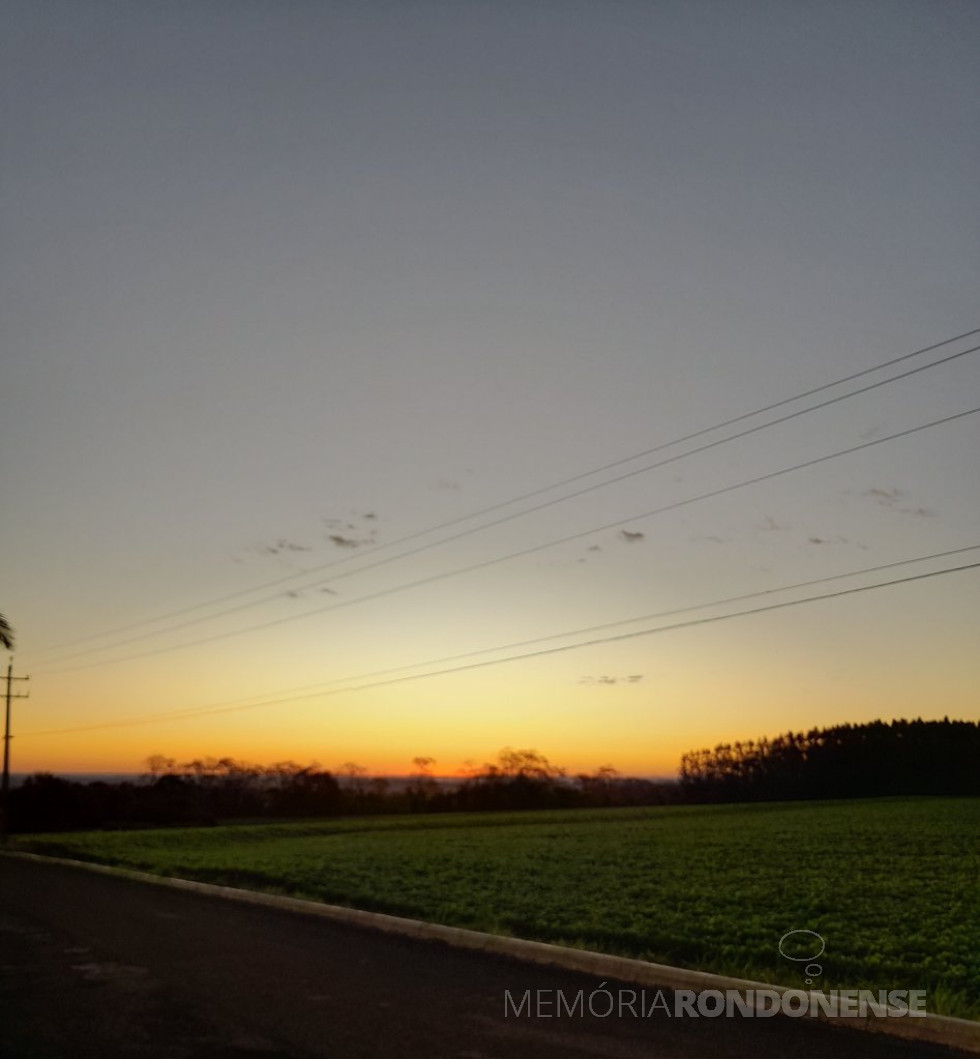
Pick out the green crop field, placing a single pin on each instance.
(892, 886)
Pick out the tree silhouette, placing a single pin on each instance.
(6, 634)
(845, 761)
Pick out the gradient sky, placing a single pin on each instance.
(286, 283)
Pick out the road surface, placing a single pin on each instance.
(93, 965)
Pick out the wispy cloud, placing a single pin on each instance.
(345, 542)
(892, 500)
(346, 534)
(606, 680)
(281, 548)
(302, 593)
(838, 539)
(283, 545)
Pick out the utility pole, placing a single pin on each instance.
(5, 789)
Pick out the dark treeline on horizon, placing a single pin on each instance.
(846, 761)
(210, 790)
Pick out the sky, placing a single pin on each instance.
(304, 306)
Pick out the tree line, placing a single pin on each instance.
(844, 761)
(209, 790)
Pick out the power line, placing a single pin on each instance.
(527, 511)
(587, 630)
(691, 623)
(518, 499)
(527, 551)
(612, 624)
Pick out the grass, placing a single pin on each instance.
(892, 885)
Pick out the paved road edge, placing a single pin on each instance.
(961, 1034)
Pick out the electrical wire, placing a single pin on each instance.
(571, 632)
(431, 579)
(513, 500)
(691, 623)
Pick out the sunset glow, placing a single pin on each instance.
(334, 342)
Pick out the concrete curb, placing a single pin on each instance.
(961, 1034)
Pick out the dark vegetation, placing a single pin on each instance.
(846, 761)
(210, 790)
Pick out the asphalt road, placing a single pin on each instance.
(92, 965)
